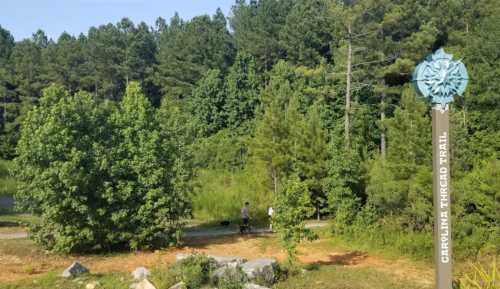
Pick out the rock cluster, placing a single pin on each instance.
(263, 269)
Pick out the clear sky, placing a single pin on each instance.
(23, 17)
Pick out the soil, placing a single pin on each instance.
(16, 268)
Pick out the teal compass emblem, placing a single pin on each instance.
(439, 78)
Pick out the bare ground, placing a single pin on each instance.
(22, 266)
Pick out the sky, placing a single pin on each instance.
(24, 17)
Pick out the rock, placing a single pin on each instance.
(229, 271)
(262, 269)
(253, 286)
(224, 260)
(180, 285)
(74, 270)
(141, 273)
(92, 285)
(144, 284)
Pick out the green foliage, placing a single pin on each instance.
(97, 174)
(220, 194)
(7, 183)
(307, 34)
(292, 207)
(243, 88)
(481, 277)
(478, 210)
(207, 103)
(194, 271)
(188, 49)
(232, 279)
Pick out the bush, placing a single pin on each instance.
(233, 278)
(100, 176)
(194, 271)
(481, 277)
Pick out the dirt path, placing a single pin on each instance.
(265, 245)
(190, 232)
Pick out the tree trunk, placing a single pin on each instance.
(347, 124)
(383, 146)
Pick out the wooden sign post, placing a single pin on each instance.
(439, 78)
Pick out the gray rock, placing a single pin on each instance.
(253, 286)
(74, 270)
(261, 269)
(224, 260)
(144, 284)
(229, 271)
(180, 285)
(141, 273)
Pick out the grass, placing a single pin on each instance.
(7, 183)
(20, 248)
(53, 280)
(339, 277)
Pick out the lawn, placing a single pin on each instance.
(53, 280)
(341, 277)
(7, 182)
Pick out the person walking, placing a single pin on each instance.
(270, 213)
(245, 216)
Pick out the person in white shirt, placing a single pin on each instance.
(270, 213)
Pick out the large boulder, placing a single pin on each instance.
(261, 269)
(221, 261)
(230, 271)
(141, 273)
(253, 286)
(74, 270)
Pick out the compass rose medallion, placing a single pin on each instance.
(440, 78)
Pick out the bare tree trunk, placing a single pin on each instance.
(383, 146)
(347, 124)
(275, 181)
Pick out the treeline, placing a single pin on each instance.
(312, 90)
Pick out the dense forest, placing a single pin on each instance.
(134, 128)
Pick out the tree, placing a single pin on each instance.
(100, 176)
(243, 88)
(256, 27)
(188, 49)
(307, 35)
(207, 103)
(292, 207)
(312, 157)
(274, 134)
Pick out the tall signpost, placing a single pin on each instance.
(440, 78)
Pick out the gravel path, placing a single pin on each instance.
(190, 233)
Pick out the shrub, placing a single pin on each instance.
(100, 176)
(233, 278)
(194, 271)
(481, 277)
(293, 207)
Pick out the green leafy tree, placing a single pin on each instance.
(243, 88)
(292, 207)
(188, 49)
(256, 27)
(207, 103)
(99, 175)
(307, 36)
(275, 132)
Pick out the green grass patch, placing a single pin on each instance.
(20, 248)
(8, 184)
(53, 280)
(338, 277)
(15, 219)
